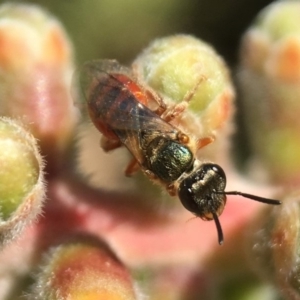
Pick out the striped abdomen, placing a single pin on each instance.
(113, 101)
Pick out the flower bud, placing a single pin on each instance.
(273, 245)
(269, 77)
(21, 179)
(182, 67)
(35, 75)
(83, 271)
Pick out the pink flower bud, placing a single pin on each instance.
(83, 271)
(36, 66)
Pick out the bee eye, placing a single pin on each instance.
(187, 195)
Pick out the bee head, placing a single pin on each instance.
(203, 193)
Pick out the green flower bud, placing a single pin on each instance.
(21, 179)
(273, 246)
(182, 67)
(269, 77)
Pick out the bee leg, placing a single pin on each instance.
(202, 142)
(171, 189)
(179, 108)
(132, 168)
(162, 107)
(109, 144)
(175, 111)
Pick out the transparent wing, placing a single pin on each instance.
(129, 127)
(89, 74)
(93, 71)
(130, 117)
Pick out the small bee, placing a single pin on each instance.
(119, 108)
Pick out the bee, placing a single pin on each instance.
(119, 108)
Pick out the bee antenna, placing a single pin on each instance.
(219, 228)
(250, 196)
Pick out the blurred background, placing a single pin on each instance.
(121, 29)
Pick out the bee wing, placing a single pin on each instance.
(139, 115)
(89, 75)
(132, 117)
(92, 72)
(129, 130)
